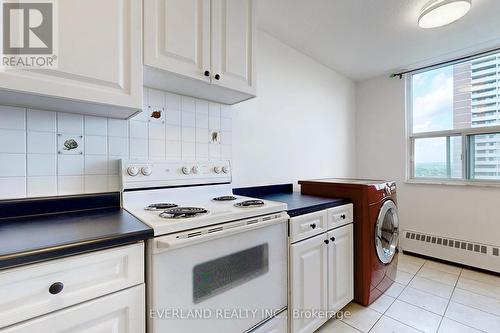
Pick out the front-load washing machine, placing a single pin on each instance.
(376, 230)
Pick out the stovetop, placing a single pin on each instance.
(195, 208)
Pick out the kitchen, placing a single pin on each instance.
(204, 104)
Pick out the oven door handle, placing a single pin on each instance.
(170, 242)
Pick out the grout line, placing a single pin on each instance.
(449, 301)
(26, 152)
(475, 328)
(470, 306)
(350, 325)
(397, 299)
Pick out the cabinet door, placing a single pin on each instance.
(116, 313)
(99, 57)
(308, 275)
(177, 36)
(233, 44)
(340, 268)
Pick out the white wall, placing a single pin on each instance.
(461, 212)
(301, 125)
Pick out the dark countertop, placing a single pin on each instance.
(298, 203)
(48, 234)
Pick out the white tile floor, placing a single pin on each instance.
(428, 297)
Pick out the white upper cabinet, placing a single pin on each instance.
(99, 68)
(201, 48)
(233, 41)
(177, 36)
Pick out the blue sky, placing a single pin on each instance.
(432, 111)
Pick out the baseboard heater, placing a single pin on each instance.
(465, 252)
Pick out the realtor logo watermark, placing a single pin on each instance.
(29, 34)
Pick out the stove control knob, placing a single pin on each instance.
(195, 170)
(217, 169)
(133, 171)
(186, 170)
(146, 171)
(225, 169)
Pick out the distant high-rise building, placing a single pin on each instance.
(476, 103)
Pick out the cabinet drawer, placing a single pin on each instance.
(35, 290)
(339, 216)
(308, 225)
(123, 311)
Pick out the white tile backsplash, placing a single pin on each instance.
(188, 134)
(173, 101)
(41, 165)
(156, 98)
(156, 149)
(173, 150)
(12, 118)
(188, 104)
(12, 165)
(41, 142)
(69, 123)
(96, 145)
(118, 146)
(188, 150)
(96, 126)
(34, 162)
(157, 131)
(201, 107)
(44, 121)
(68, 185)
(41, 186)
(173, 117)
(96, 165)
(117, 127)
(202, 135)
(12, 187)
(96, 183)
(70, 165)
(188, 119)
(138, 148)
(12, 141)
(138, 129)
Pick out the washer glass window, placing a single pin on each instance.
(387, 232)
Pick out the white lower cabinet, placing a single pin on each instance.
(308, 275)
(340, 268)
(121, 312)
(321, 277)
(34, 290)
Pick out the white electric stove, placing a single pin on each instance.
(218, 262)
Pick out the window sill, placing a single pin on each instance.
(449, 182)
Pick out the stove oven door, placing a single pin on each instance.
(226, 278)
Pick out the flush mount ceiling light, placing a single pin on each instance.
(438, 13)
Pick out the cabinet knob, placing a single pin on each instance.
(217, 77)
(207, 73)
(327, 241)
(56, 288)
(332, 239)
(342, 216)
(313, 225)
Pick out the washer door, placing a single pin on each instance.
(387, 232)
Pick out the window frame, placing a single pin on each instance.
(465, 135)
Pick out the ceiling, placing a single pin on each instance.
(366, 38)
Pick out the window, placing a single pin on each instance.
(454, 121)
